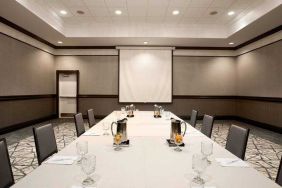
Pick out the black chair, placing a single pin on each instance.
(207, 125)
(79, 124)
(279, 174)
(237, 140)
(91, 117)
(6, 173)
(45, 142)
(193, 119)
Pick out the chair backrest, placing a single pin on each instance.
(237, 140)
(45, 142)
(193, 119)
(6, 174)
(79, 124)
(91, 117)
(207, 125)
(279, 174)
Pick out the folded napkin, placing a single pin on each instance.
(61, 160)
(93, 133)
(231, 162)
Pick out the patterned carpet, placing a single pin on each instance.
(264, 147)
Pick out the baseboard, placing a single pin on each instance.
(260, 124)
(26, 124)
(243, 120)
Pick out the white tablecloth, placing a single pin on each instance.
(147, 163)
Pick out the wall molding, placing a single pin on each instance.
(21, 125)
(231, 97)
(26, 97)
(238, 50)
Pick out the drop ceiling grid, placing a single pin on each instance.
(148, 11)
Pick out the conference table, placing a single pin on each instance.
(147, 163)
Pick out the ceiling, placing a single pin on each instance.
(144, 20)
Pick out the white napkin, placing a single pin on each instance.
(231, 162)
(93, 133)
(61, 160)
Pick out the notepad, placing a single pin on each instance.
(231, 162)
(61, 160)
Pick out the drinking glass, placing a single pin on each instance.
(207, 150)
(88, 164)
(106, 127)
(122, 110)
(167, 115)
(81, 150)
(117, 141)
(199, 164)
(178, 140)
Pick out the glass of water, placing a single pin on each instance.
(199, 165)
(207, 150)
(88, 166)
(106, 127)
(81, 150)
(122, 110)
(167, 115)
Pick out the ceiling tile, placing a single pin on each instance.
(116, 3)
(222, 3)
(158, 3)
(194, 12)
(103, 19)
(179, 3)
(99, 11)
(200, 3)
(137, 11)
(156, 11)
(137, 3)
(97, 3)
(73, 2)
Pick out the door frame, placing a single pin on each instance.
(58, 72)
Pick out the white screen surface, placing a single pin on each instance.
(145, 76)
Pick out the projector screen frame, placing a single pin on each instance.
(145, 102)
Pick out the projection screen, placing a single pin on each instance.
(145, 76)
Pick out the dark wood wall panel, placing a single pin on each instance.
(20, 113)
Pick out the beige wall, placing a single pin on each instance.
(204, 76)
(25, 70)
(260, 72)
(98, 74)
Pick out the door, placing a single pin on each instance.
(67, 93)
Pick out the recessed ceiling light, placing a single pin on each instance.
(60, 42)
(231, 43)
(63, 12)
(118, 12)
(145, 42)
(175, 12)
(230, 13)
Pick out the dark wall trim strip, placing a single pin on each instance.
(97, 96)
(26, 97)
(26, 124)
(232, 97)
(264, 99)
(26, 43)
(11, 24)
(272, 31)
(203, 97)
